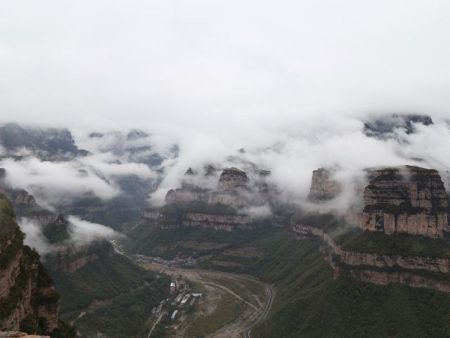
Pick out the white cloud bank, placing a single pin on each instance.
(81, 232)
(287, 80)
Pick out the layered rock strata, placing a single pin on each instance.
(419, 272)
(216, 221)
(405, 200)
(233, 188)
(323, 186)
(28, 300)
(71, 258)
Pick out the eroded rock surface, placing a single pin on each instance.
(405, 200)
(28, 300)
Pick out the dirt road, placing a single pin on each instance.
(256, 300)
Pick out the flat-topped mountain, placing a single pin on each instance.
(232, 179)
(407, 199)
(401, 233)
(234, 187)
(323, 186)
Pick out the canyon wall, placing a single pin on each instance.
(216, 221)
(70, 258)
(406, 199)
(323, 186)
(419, 272)
(28, 300)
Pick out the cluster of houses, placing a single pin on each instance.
(183, 298)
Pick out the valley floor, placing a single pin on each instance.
(231, 304)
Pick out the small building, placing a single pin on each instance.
(185, 299)
(173, 287)
(179, 298)
(174, 315)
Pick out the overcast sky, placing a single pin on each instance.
(200, 64)
(290, 81)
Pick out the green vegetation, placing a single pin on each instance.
(125, 315)
(226, 312)
(348, 308)
(326, 222)
(56, 231)
(116, 294)
(16, 292)
(31, 277)
(309, 302)
(395, 244)
(197, 206)
(102, 279)
(64, 330)
(8, 226)
(169, 243)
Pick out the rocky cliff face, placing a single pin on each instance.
(216, 222)
(211, 220)
(323, 186)
(232, 179)
(186, 194)
(71, 258)
(418, 272)
(406, 200)
(28, 301)
(234, 188)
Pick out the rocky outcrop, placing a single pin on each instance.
(232, 179)
(438, 265)
(28, 300)
(217, 205)
(395, 277)
(216, 222)
(323, 186)
(419, 272)
(234, 188)
(187, 193)
(71, 258)
(21, 197)
(405, 200)
(232, 198)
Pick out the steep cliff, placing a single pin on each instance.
(406, 260)
(70, 258)
(28, 300)
(232, 179)
(197, 214)
(323, 186)
(405, 200)
(234, 187)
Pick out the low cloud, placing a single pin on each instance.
(292, 151)
(34, 237)
(83, 232)
(56, 183)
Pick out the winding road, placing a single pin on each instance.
(257, 305)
